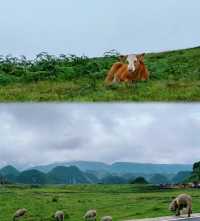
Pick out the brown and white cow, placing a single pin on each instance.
(135, 70)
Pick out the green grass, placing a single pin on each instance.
(80, 91)
(174, 76)
(120, 201)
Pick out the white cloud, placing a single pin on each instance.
(43, 133)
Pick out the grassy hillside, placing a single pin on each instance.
(174, 76)
(121, 201)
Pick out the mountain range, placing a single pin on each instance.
(120, 167)
(83, 172)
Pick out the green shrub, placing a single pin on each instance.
(66, 73)
(138, 180)
(5, 79)
(38, 76)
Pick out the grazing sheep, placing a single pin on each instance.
(181, 202)
(19, 214)
(59, 216)
(106, 218)
(91, 215)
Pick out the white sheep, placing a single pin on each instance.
(106, 218)
(90, 215)
(59, 215)
(19, 213)
(183, 201)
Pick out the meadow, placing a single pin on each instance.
(174, 76)
(122, 202)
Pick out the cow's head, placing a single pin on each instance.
(133, 60)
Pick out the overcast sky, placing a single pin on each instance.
(32, 134)
(92, 27)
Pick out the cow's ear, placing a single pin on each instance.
(122, 58)
(141, 56)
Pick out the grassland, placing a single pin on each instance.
(174, 76)
(121, 201)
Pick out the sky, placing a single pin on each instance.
(92, 27)
(39, 134)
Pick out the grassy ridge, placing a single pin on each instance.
(121, 201)
(174, 76)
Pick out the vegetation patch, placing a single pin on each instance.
(174, 75)
(122, 202)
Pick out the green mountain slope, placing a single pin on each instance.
(9, 170)
(66, 175)
(159, 179)
(174, 75)
(75, 175)
(82, 165)
(32, 177)
(181, 176)
(9, 173)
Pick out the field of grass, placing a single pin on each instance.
(122, 202)
(174, 76)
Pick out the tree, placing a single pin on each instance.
(139, 180)
(195, 176)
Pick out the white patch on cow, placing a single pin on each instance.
(132, 58)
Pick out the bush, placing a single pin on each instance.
(139, 180)
(38, 76)
(5, 79)
(66, 73)
(55, 199)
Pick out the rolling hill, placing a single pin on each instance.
(174, 75)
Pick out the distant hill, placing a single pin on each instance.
(147, 168)
(67, 175)
(83, 172)
(9, 173)
(82, 165)
(58, 175)
(32, 177)
(121, 167)
(9, 170)
(181, 176)
(159, 179)
(111, 179)
(92, 177)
